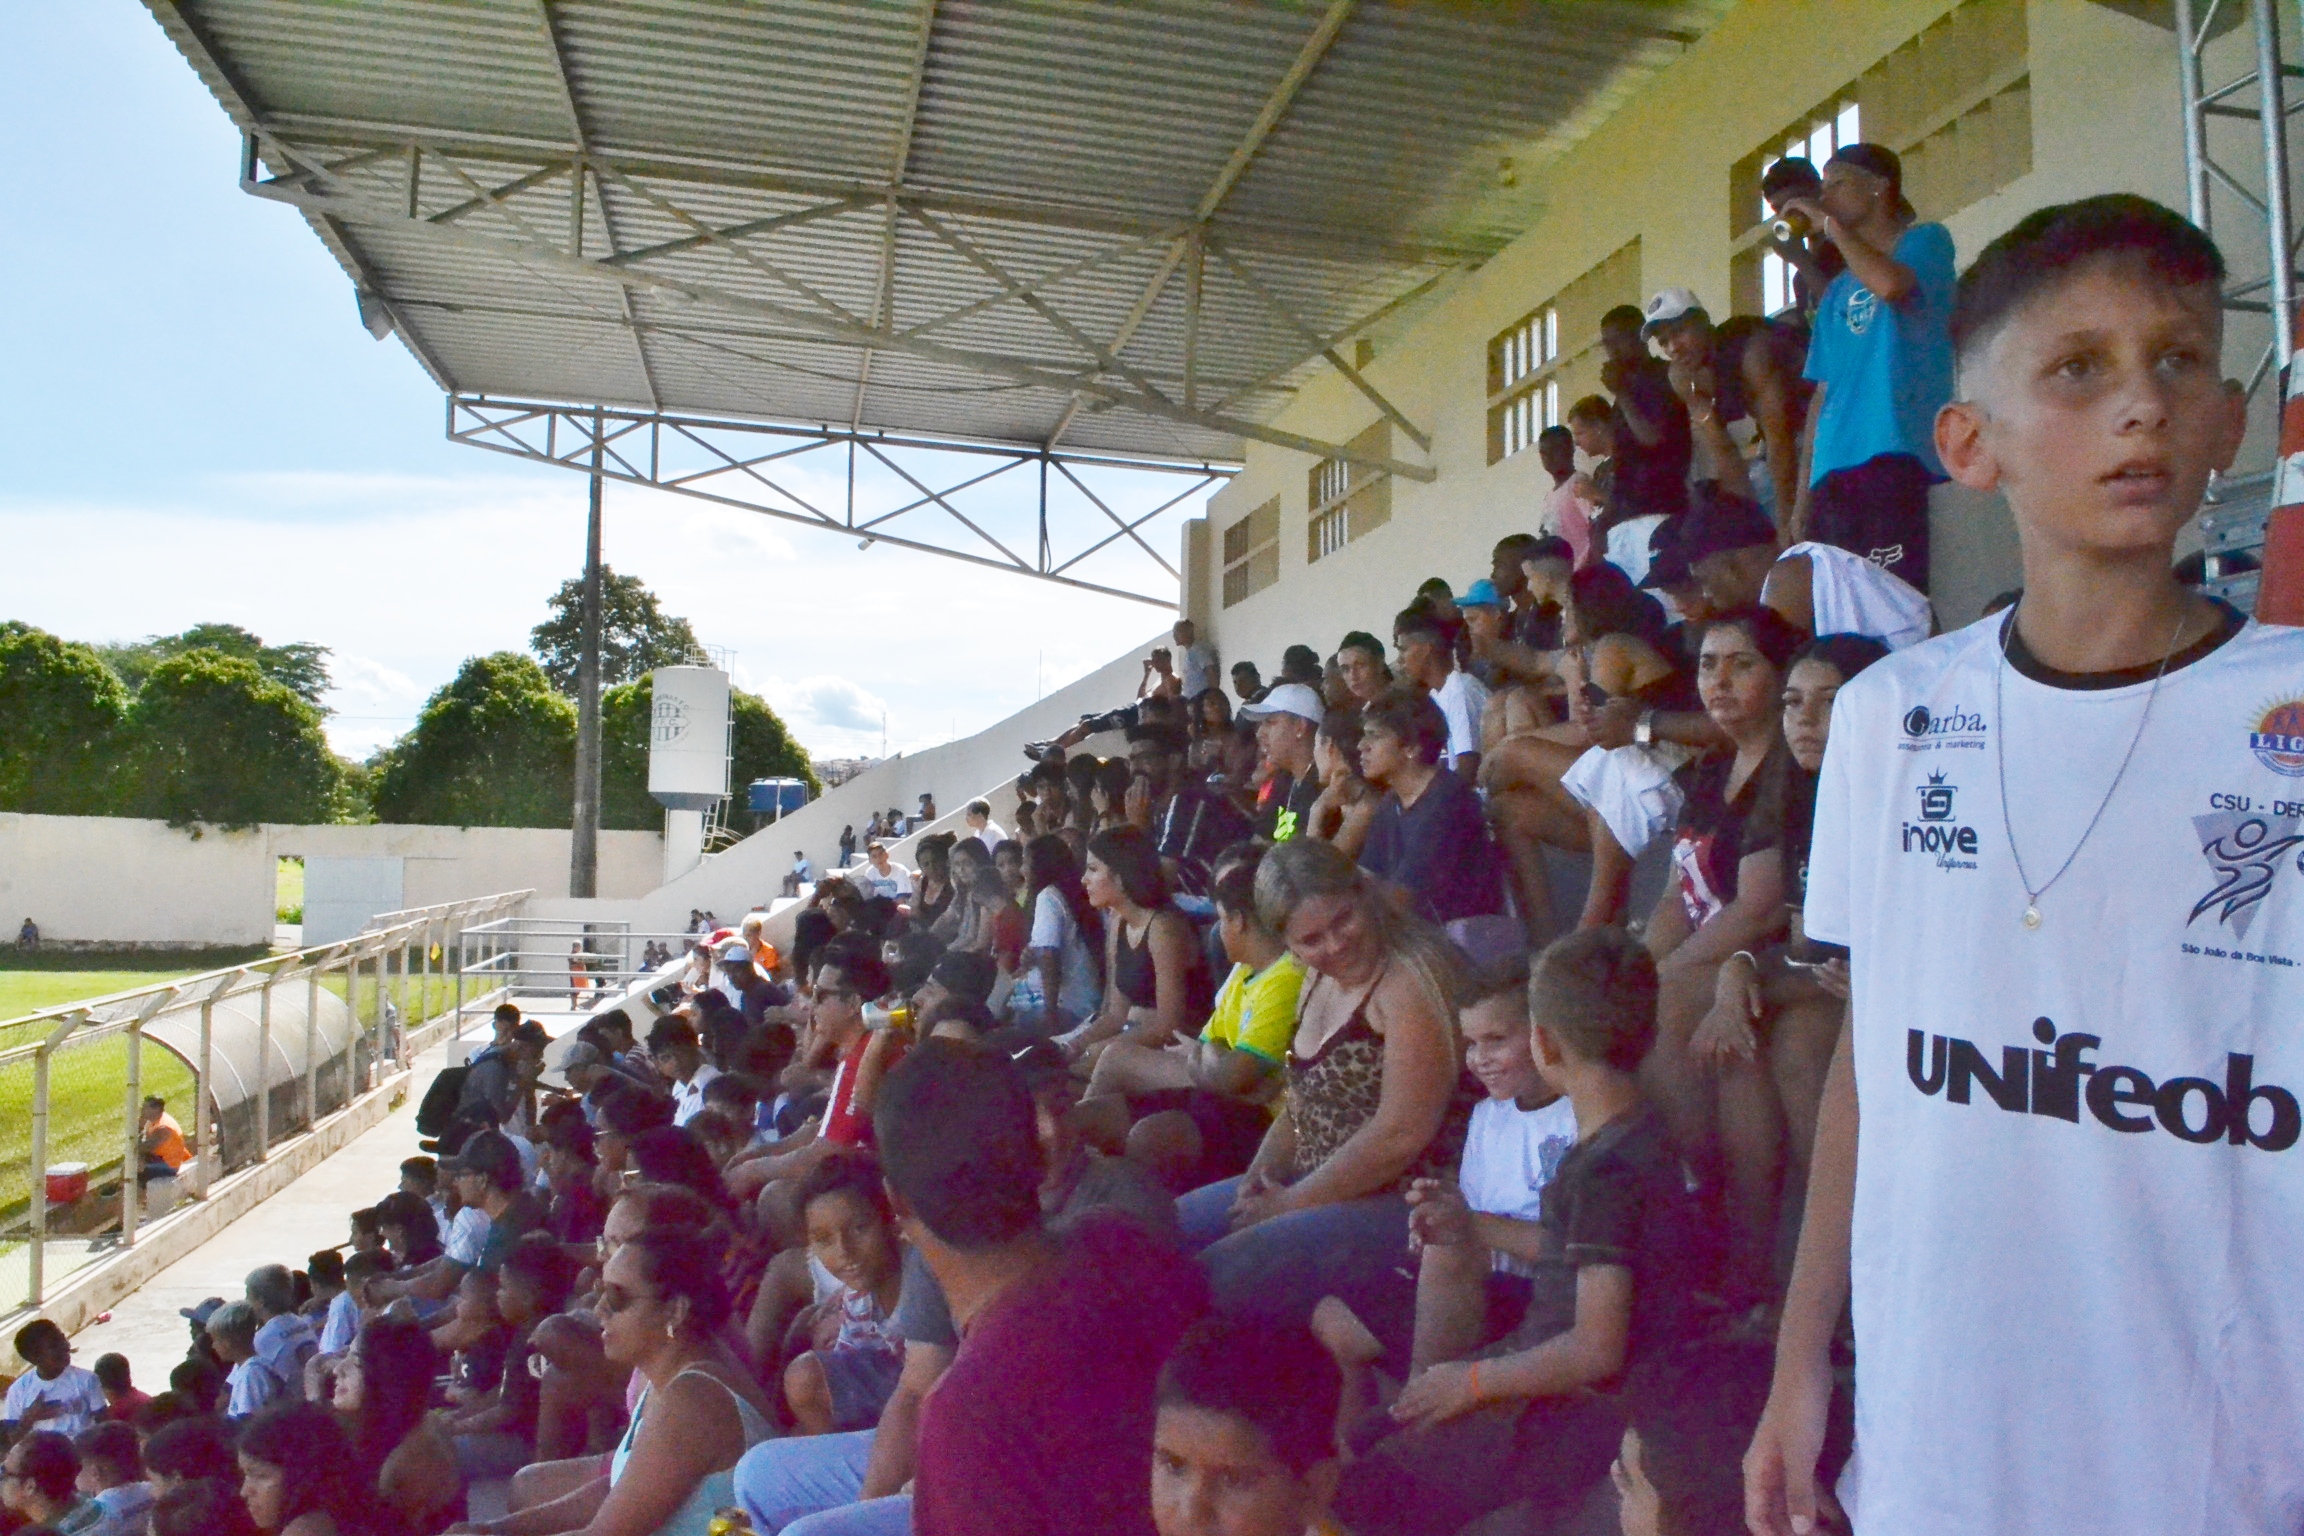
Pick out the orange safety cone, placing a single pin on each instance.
(2280, 593)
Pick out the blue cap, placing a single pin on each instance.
(1481, 594)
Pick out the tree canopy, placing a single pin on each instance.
(761, 748)
(65, 714)
(636, 635)
(300, 667)
(496, 747)
(213, 739)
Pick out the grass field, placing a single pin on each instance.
(288, 889)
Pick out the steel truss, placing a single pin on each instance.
(734, 464)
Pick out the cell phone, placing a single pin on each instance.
(1814, 957)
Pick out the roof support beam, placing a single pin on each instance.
(1127, 328)
(907, 121)
(1275, 107)
(542, 255)
(1391, 412)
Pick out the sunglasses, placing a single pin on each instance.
(615, 1299)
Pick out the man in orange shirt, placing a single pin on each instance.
(165, 1150)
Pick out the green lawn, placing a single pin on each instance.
(288, 890)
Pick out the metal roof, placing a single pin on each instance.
(1125, 228)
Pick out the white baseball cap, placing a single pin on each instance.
(1668, 305)
(1288, 699)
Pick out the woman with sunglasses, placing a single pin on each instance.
(662, 1306)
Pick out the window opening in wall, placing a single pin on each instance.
(1252, 553)
(1539, 364)
(1348, 499)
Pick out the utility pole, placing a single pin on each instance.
(584, 826)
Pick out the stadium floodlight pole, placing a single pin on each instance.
(584, 827)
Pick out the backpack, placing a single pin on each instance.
(439, 1106)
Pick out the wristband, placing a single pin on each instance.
(1644, 733)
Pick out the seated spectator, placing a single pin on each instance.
(1620, 538)
(1619, 1263)
(325, 1269)
(112, 1479)
(1042, 1426)
(1063, 978)
(1728, 894)
(1245, 1440)
(844, 1379)
(1191, 822)
(1360, 657)
(1218, 753)
(624, 1114)
(41, 1485)
(880, 876)
(662, 1307)
(1375, 1099)
(495, 1435)
(296, 1474)
(367, 1235)
(1247, 685)
(678, 1051)
(1008, 859)
(1154, 982)
(354, 1302)
(284, 1338)
(1287, 719)
(1428, 663)
(54, 1394)
(121, 1399)
(1347, 803)
(1428, 843)
(205, 1508)
(162, 1142)
(1573, 504)
(198, 1380)
(1201, 1107)
(959, 985)
(802, 872)
(192, 1450)
(1776, 1008)
(983, 917)
(400, 1453)
(252, 1380)
(1818, 588)
(1690, 1414)
(978, 819)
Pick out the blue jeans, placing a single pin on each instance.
(1279, 1269)
(781, 1481)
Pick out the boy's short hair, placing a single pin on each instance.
(1695, 1409)
(2046, 246)
(1504, 975)
(845, 1173)
(36, 1335)
(979, 808)
(1595, 991)
(1276, 1379)
(191, 1450)
(424, 1170)
(859, 962)
(1409, 714)
(325, 1267)
(507, 1013)
(367, 1265)
(1361, 640)
(237, 1321)
(113, 1446)
(1590, 408)
(545, 1268)
(1623, 317)
(112, 1372)
(960, 1143)
(50, 1464)
(1791, 171)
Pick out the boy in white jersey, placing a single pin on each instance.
(2062, 847)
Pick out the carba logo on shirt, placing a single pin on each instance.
(1927, 729)
(2278, 740)
(2238, 1111)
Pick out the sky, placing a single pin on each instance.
(195, 427)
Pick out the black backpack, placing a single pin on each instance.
(440, 1100)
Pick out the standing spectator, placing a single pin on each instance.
(982, 827)
(1287, 722)
(1746, 372)
(1653, 447)
(1042, 1426)
(1247, 686)
(1428, 844)
(847, 845)
(112, 1478)
(1428, 663)
(1882, 362)
(1573, 503)
(1814, 259)
(1195, 660)
(41, 1485)
(54, 1393)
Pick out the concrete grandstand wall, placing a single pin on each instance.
(123, 881)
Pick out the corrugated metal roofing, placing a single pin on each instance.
(974, 219)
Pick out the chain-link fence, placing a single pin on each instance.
(246, 1059)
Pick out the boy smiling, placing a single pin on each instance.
(2070, 1278)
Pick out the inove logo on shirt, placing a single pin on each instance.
(1935, 833)
(2059, 1080)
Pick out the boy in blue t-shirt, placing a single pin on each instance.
(1881, 356)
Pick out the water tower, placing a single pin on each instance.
(687, 757)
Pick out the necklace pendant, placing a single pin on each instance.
(2031, 917)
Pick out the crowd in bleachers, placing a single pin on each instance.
(1290, 1126)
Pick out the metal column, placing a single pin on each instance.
(584, 833)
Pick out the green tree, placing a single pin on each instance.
(495, 748)
(636, 635)
(64, 712)
(212, 739)
(761, 749)
(300, 667)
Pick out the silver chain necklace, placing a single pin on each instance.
(2032, 894)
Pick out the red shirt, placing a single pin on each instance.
(843, 1125)
(1043, 1424)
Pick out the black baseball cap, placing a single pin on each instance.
(1881, 161)
(491, 1155)
(1718, 523)
(966, 974)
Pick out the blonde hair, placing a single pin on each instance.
(1304, 869)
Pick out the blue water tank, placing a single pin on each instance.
(775, 797)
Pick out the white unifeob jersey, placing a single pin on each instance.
(2078, 1258)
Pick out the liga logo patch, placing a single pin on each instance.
(2278, 740)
